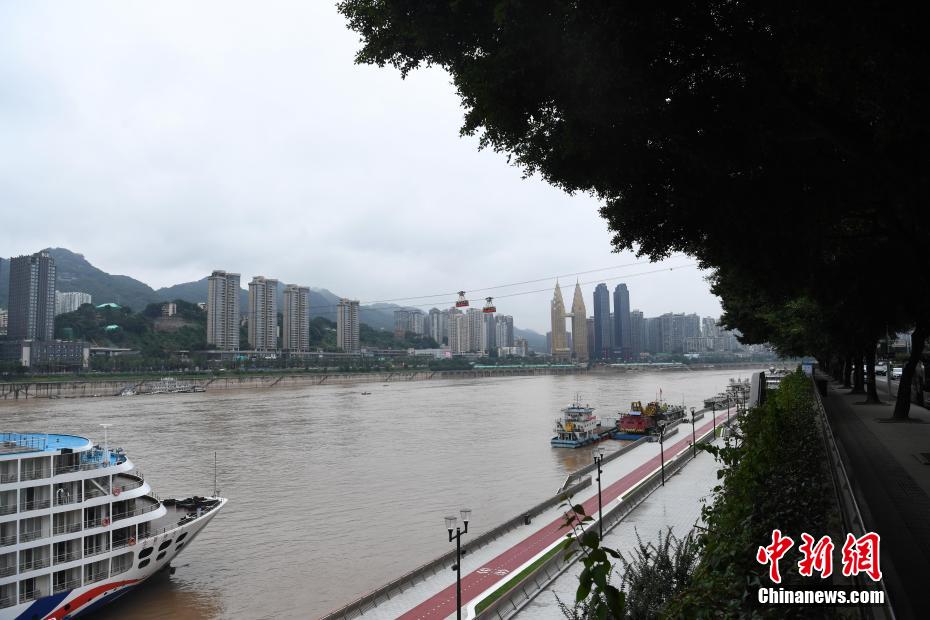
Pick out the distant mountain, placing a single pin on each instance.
(536, 341)
(75, 273)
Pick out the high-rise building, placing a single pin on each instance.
(579, 326)
(4, 319)
(223, 310)
(475, 328)
(590, 329)
(653, 329)
(263, 313)
(458, 332)
(169, 309)
(71, 301)
(622, 336)
(408, 321)
(602, 348)
(489, 333)
(295, 335)
(32, 297)
(710, 328)
(347, 326)
(503, 326)
(558, 346)
(434, 325)
(637, 334)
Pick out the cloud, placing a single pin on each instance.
(164, 140)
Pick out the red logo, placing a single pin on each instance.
(773, 553)
(817, 557)
(860, 555)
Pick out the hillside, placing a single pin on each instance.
(76, 273)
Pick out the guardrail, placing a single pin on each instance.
(371, 600)
(522, 592)
(849, 508)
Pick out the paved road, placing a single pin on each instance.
(442, 604)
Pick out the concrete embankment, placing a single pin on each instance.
(108, 387)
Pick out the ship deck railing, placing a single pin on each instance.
(33, 565)
(18, 442)
(36, 504)
(61, 586)
(31, 595)
(66, 529)
(92, 551)
(135, 512)
(8, 509)
(8, 478)
(65, 499)
(129, 486)
(71, 556)
(30, 535)
(98, 576)
(7, 601)
(35, 474)
(8, 540)
(6, 571)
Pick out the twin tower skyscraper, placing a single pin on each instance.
(579, 317)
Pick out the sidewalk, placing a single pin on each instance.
(892, 488)
(676, 505)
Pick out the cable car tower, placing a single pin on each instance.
(462, 302)
(489, 306)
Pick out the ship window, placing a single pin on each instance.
(164, 545)
(146, 552)
(178, 548)
(161, 555)
(144, 563)
(182, 536)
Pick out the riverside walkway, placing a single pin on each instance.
(485, 569)
(887, 467)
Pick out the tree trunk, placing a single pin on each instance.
(858, 379)
(871, 392)
(902, 406)
(847, 372)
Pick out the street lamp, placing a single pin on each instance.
(728, 410)
(450, 525)
(662, 448)
(693, 436)
(714, 414)
(598, 458)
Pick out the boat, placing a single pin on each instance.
(642, 420)
(128, 391)
(80, 527)
(577, 427)
(170, 385)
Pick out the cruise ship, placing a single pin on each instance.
(79, 527)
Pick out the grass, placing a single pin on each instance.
(513, 582)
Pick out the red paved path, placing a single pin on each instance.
(442, 604)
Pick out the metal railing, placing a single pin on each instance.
(116, 569)
(60, 470)
(8, 540)
(94, 492)
(8, 509)
(67, 498)
(134, 484)
(91, 523)
(135, 512)
(92, 551)
(97, 576)
(33, 565)
(69, 556)
(19, 440)
(35, 474)
(31, 595)
(7, 601)
(6, 571)
(67, 528)
(30, 535)
(36, 504)
(8, 478)
(61, 586)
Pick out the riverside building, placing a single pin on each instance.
(223, 310)
(70, 301)
(347, 326)
(296, 332)
(263, 313)
(32, 297)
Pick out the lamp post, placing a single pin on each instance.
(598, 458)
(457, 537)
(662, 448)
(693, 436)
(713, 406)
(728, 410)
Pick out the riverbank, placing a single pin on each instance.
(109, 386)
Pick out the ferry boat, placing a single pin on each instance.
(170, 385)
(577, 427)
(80, 528)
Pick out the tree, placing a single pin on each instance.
(731, 131)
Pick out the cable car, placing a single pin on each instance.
(462, 302)
(489, 306)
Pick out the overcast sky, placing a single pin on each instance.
(163, 140)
